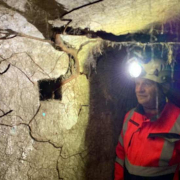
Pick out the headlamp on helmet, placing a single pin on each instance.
(156, 70)
(135, 68)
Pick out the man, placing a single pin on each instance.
(149, 143)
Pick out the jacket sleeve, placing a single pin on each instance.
(119, 163)
(120, 153)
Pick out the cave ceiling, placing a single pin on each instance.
(117, 17)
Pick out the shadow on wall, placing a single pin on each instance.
(111, 96)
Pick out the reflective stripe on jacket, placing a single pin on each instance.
(149, 147)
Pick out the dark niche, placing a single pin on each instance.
(50, 89)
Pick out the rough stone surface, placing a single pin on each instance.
(27, 64)
(121, 17)
(86, 47)
(17, 4)
(37, 135)
(65, 121)
(23, 158)
(42, 62)
(74, 4)
(72, 168)
(12, 20)
(19, 95)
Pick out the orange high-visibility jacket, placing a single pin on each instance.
(149, 147)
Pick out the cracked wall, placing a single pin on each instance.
(39, 139)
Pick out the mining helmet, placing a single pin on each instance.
(156, 70)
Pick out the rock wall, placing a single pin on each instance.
(40, 139)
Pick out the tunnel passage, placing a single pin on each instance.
(111, 97)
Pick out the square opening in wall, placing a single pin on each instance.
(50, 89)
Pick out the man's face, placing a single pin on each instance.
(146, 92)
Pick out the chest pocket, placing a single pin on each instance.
(168, 147)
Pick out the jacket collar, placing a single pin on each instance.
(139, 109)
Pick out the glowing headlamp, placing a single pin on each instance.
(135, 69)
